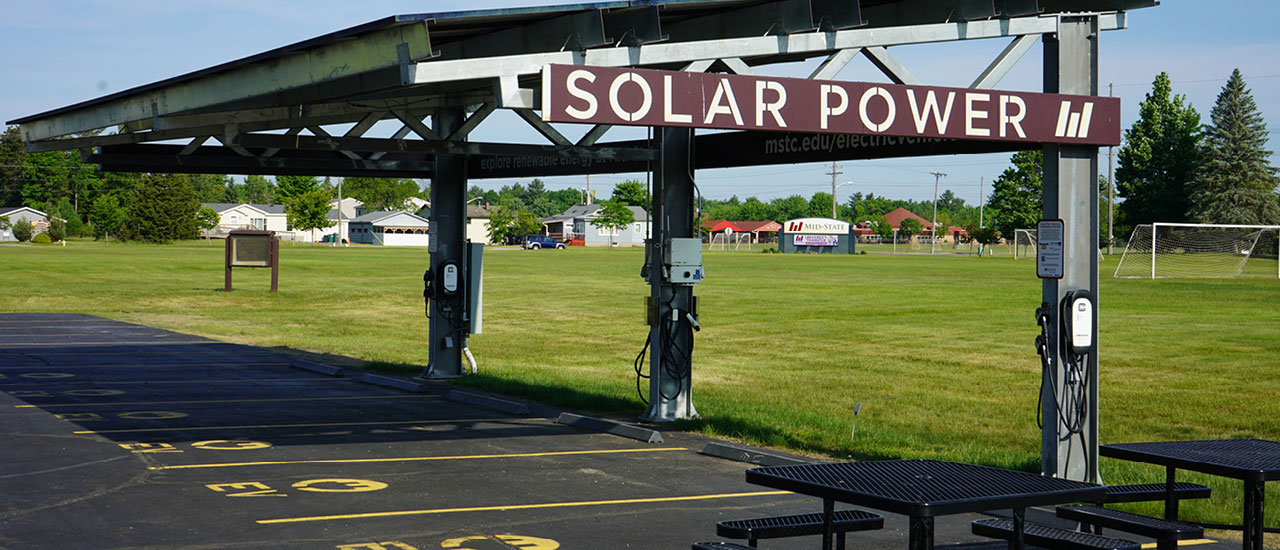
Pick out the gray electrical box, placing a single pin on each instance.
(682, 261)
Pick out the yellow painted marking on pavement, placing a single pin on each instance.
(385, 545)
(213, 380)
(262, 489)
(508, 507)
(323, 425)
(46, 375)
(150, 447)
(28, 393)
(229, 445)
(411, 458)
(79, 417)
(227, 401)
(342, 485)
(516, 541)
(1192, 542)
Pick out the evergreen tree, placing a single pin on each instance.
(12, 154)
(630, 193)
(288, 187)
(164, 209)
(1160, 157)
(1236, 184)
(1017, 199)
(256, 190)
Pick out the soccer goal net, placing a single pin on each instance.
(1166, 250)
(1024, 243)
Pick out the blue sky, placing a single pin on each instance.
(60, 52)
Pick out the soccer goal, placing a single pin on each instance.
(1166, 250)
(1024, 243)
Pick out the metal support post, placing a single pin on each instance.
(1071, 194)
(447, 242)
(671, 337)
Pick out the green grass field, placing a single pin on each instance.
(938, 349)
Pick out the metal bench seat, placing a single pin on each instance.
(799, 525)
(1051, 538)
(1166, 532)
(719, 545)
(1143, 492)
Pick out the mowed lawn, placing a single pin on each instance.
(938, 349)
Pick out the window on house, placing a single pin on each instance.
(258, 223)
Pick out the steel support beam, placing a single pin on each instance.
(670, 337)
(448, 326)
(1071, 194)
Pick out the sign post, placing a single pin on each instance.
(252, 248)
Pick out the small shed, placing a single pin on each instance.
(390, 228)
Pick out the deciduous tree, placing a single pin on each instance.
(307, 212)
(1016, 199)
(909, 228)
(207, 218)
(381, 193)
(107, 216)
(1160, 157)
(614, 216)
(630, 193)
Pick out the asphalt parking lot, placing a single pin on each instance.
(125, 436)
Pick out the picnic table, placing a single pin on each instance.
(1253, 461)
(923, 490)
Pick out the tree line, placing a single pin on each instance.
(87, 202)
(1171, 168)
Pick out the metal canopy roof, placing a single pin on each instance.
(403, 67)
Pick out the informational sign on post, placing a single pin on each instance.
(1049, 241)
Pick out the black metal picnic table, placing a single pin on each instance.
(924, 489)
(1254, 461)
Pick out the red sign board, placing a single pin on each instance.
(643, 97)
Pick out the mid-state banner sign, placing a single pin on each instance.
(644, 97)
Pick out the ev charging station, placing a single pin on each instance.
(672, 66)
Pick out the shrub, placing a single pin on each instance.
(57, 230)
(22, 230)
(42, 238)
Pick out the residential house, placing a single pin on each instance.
(39, 220)
(477, 221)
(575, 226)
(262, 217)
(390, 228)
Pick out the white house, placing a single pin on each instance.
(39, 220)
(390, 229)
(575, 226)
(341, 223)
(269, 217)
(477, 221)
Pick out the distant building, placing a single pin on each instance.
(477, 221)
(895, 218)
(756, 231)
(574, 225)
(262, 217)
(390, 228)
(39, 221)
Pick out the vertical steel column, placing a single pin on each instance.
(671, 345)
(448, 239)
(1071, 194)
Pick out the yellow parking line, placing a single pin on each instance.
(324, 425)
(412, 458)
(521, 507)
(281, 400)
(1191, 542)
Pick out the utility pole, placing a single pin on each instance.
(833, 173)
(933, 242)
(588, 188)
(982, 203)
(1111, 184)
(338, 240)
